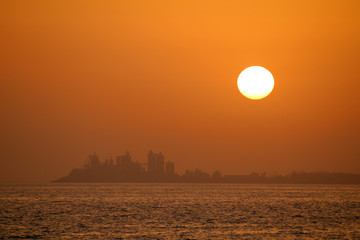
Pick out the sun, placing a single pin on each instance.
(255, 82)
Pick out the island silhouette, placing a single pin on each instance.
(157, 170)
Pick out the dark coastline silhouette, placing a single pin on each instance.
(123, 169)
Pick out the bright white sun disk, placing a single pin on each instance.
(255, 82)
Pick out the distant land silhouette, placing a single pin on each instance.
(123, 169)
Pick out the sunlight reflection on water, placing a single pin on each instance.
(179, 211)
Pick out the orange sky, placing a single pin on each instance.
(93, 76)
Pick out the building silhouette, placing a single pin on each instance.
(126, 170)
(156, 164)
(170, 168)
(124, 161)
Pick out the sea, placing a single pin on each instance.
(179, 211)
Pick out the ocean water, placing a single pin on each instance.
(179, 211)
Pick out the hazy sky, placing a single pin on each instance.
(99, 76)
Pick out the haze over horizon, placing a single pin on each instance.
(83, 77)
